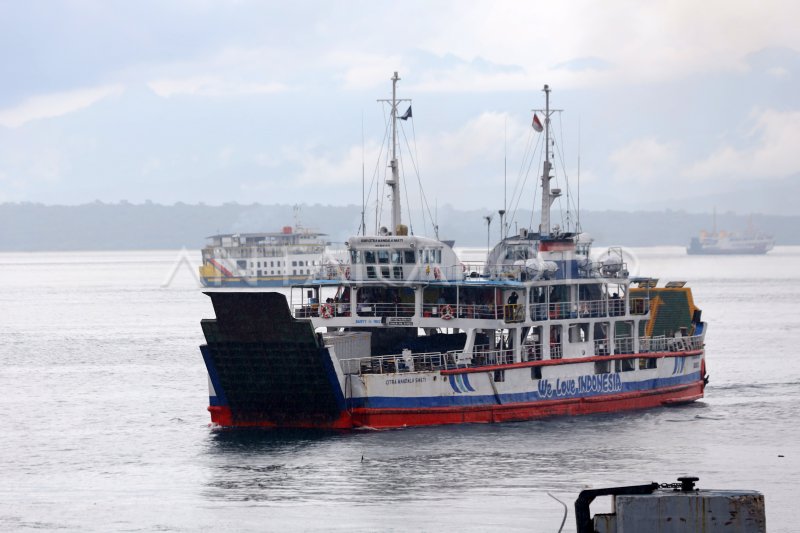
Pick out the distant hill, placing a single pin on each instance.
(125, 226)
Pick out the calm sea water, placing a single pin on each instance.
(105, 425)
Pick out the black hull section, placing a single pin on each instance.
(266, 367)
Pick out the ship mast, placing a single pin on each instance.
(394, 181)
(548, 196)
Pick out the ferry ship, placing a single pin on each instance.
(750, 242)
(408, 335)
(282, 258)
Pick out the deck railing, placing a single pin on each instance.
(510, 313)
(483, 356)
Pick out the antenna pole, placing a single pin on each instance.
(363, 190)
(394, 182)
(505, 173)
(578, 222)
(544, 230)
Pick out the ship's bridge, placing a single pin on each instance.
(402, 258)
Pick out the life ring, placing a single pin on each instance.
(446, 312)
(347, 273)
(326, 310)
(437, 273)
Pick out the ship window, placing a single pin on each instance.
(241, 264)
(384, 272)
(294, 272)
(369, 257)
(294, 263)
(258, 273)
(398, 272)
(625, 365)
(410, 258)
(647, 363)
(536, 372)
(383, 257)
(371, 272)
(426, 256)
(397, 257)
(499, 375)
(602, 367)
(252, 264)
(355, 256)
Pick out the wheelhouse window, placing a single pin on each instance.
(409, 257)
(383, 257)
(369, 257)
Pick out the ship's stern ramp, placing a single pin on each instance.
(267, 368)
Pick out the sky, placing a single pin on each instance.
(666, 105)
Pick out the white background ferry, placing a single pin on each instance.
(262, 259)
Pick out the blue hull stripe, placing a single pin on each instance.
(533, 396)
(220, 398)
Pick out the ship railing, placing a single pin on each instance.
(482, 356)
(601, 347)
(473, 269)
(514, 312)
(532, 351)
(538, 311)
(657, 343)
(616, 306)
(640, 306)
(478, 311)
(556, 351)
(332, 272)
(395, 363)
(427, 361)
(592, 308)
(623, 344)
(559, 310)
(385, 309)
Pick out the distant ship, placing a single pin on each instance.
(749, 242)
(275, 259)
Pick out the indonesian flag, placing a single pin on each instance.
(537, 125)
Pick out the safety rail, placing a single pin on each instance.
(662, 343)
(427, 361)
(483, 356)
(385, 309)
(601, 347)
(623, 345)
(532, 352)
(510, 313)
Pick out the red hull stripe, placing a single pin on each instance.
(391, 418)
(394, 418)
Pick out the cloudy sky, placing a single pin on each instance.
(679, 104)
